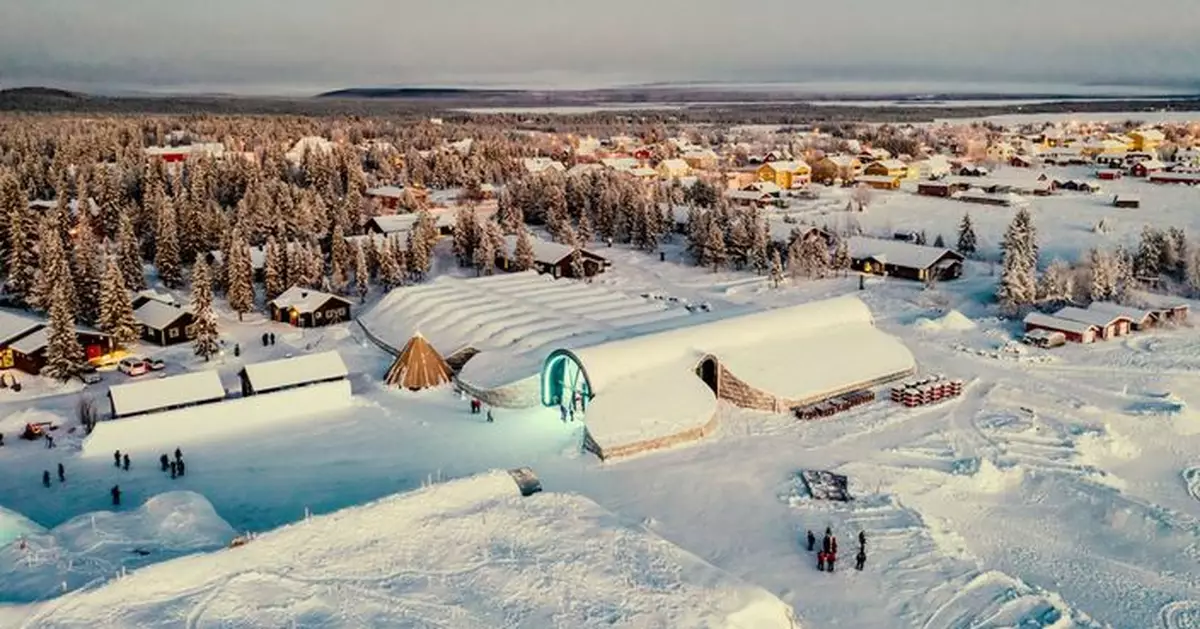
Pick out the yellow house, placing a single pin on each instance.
(887, 168)
(879, 182)
(844, 167)
(669, 169)
(786, 175)
(1146, 140)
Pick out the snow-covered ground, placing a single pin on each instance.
(1062, 489)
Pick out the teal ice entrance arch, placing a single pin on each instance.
(563, 379)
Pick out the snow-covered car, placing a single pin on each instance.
(133, 367)
(89, 375)
(155, 364)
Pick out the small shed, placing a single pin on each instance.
(308, 308)
(292, 373)
(1109, 174)
(163, 394)
(15, 326)
(1074, 331)
(1126, 201)
(165, 324)
(935, 188)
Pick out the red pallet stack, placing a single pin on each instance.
(927, 390)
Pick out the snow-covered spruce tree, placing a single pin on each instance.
(585, 234)
(967, 244)
(1191, 275)
(1102, 286)
(129, 252)
(22, 257)
(206, 343)
(795, 257)
(739, 243)
(485, 257)
(362, 276)
(1182, 252)
(296, 264)
(776, 270)
(239, 273)
(715, 252)
(1057, 286)
(339, 258)
(760, 242)
(316, 265)
(922, 239)
(939, 242)
(1150, 252)
(418, 260)
(523, 254)
(64, 355)
(578, 271)
(390, 275)
(840, 262)
(427, 227)
(85, 269)
(166, 249)
(116, 309)
(55, 269)
(465, 235)
(1124, 279)
(697, 234)
(1018, 279)
(400, 254)
(274, 269)
(814, 257)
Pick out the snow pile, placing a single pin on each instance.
(990, 479)
(952, 321)
(99, 545)
(470, 553)
(14, 525)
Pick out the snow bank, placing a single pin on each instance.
(952, 321)
(470, 553)
(151, 434)
(14, 525)
(99, 545)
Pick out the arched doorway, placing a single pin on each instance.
(564, 381)
(708, 372)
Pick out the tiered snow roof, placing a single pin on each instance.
(162, 393)
(298, 371)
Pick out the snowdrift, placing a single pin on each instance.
(14, 525)
(952, 321)
(467, 554)
(159, 432)
(99, 545)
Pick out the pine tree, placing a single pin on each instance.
(1182, 253)
(760, 241)
(206, 343)
(55, 269)
(64, 355)
(776, 269)
(739, 243)
(1018, 282)
(85, 268)
(274, 269)
(1103, 277)
(921, 238)
(714, 247)
(166, 248)
(939, 242)
(1123, 275)
(22, 256)
(362, 276)
(296, 257)
(1057, 286)
(390, 274)
(1150, 253)
(239, 274)
(966, 237)
(523, 252)
(465, 235)
(116, 309)
(485, 257)
(585, 234)
(795, 257)
(339, 258)
(129, 252)
(418, 254)
(841, 256)
(315, 259)
(400, 253)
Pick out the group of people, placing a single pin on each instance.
(62, 475)
(477, 407)
(827, 556)
(176, 465)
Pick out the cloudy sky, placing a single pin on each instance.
(305, 46)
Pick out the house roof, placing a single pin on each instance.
(391, 192)
(161, 393)
(544, 251)
(1153, 135)
(541, 164)
(790, 166)
(287, 372)
(891, 164)
(33, 342)
(842, 161)
(674, 164)
(14, 325)
(876, 178)
(303, 299)
(1188, 177)
(1094, 317)
(1109, 308)
(158, 315)
(897, 252)
(150, 293)
(1056, 323)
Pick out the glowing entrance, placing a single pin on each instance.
(564, 381)
(707, 370)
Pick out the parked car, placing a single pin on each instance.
(89, 375)
(133, 367)
(155, 364)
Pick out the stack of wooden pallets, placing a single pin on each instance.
(925, 391)
(835, 405)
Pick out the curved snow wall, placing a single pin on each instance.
(149, 435)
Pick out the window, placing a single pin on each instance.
(190, 330)
(316, 315)
(173, 333)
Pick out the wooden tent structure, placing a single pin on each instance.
(419, 366)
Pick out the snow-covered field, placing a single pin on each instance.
(1062, 489)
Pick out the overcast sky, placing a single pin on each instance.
(305, 46)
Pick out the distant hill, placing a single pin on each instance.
(37, 92)
(411, 92)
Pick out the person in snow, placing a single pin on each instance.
(126, 461)
(830, 559)
(116, 495)
(812, 541)
(174, 469)
(833, 545)
(62, 473)
(272, 338)
(163, 461)
(178, 454)
(179, 466)
(46, 478)
(117, 458)
(860, 559)
(490, 419)
(821, 561)
(572, 413)
(827, 541)
(562, 410)
(49, 441)
(265, 338)
(862, 538)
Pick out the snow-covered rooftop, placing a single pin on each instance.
(163, 393)
(158, 315)
(1097, 317)
(543, 250)
(1056, 323)
(1137, 315)
(469, 553)
(895, 252)
(13, 325)
(302, 299)
(31, 343)
(393, 192)
(300, 370)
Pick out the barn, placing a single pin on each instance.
(1108, 324)
(1138, 318)
(164, 394)
(292, 373)
(1075, 331)
(904, 260)
(307, 308)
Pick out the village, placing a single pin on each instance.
(329, 313)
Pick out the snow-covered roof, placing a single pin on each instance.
(163, 393)
(33, 342)
(1057, 323)
(300, 370)
(1153, 135)
(891, 164)
(896, 252)
(150, 293)
(543, 250)
(536, 165)
(642, 171)
(392, 223)
(215, 149)
(303, 299)
(308, 144)
(391, 192)
(842, 161)
(1135, 314)
(1093, 317)
(621, 163)
(473, 553)
(13, 325)
(876, 178)
(1180, 177)
(790, 166)
(674, 165)
(157, 315)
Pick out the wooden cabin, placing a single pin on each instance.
(308, 308)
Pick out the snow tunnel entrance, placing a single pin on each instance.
(564, 382)
(707, 370)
